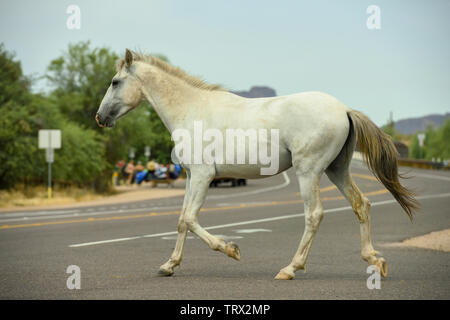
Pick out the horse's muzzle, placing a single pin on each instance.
(98, 121)
(107, 122)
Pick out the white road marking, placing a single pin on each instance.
(224, 237)
(242, 223)
(175, 237)
(90, 214)
(43, 215)
(252, 230)
(37, 213)
(226, 204)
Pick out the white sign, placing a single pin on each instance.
(421, 137)
(49, 139)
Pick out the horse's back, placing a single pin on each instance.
(312, 126)
(315, 128)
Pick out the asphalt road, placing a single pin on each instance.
(119, 248)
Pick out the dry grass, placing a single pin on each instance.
(37, 196)
(28, 197)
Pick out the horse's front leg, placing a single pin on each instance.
(177, 254)
(196, 190)
(201, 177)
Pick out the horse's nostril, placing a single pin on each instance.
(97, 119)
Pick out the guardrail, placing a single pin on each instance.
(421, 164)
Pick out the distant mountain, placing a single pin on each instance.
(412, 125)
(257, 92)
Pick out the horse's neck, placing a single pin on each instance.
(173, 99)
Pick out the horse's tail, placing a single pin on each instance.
(380, 155)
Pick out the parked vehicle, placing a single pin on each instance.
(234, 182)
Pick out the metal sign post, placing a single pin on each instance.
(147, 152)
(131, 154)
(49, 140)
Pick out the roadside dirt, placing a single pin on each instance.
(437, 240)
(124, 194)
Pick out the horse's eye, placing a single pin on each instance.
(115, 83)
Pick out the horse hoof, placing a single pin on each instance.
(165, 272)
(233, 251)
(382, 266)
(283, 276)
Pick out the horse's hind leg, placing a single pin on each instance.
(309, 188)
(340, 176)
(177, 255)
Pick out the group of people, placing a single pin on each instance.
(132, 173)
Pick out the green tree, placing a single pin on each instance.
(23, 114)
(389, 128)
(436, 143)
(16, 152)
(80, 78)
(14, 86)
(82, 156)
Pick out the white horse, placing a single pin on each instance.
(317, 134)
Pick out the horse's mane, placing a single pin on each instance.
(172, 70)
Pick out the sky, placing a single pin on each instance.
(292, 46)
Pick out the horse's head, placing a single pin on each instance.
(123, 95)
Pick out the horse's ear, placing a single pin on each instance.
(128, 57)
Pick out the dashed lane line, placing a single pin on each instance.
(241, 223)
(152, 214)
